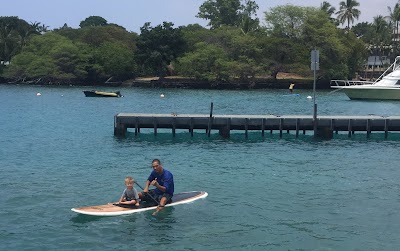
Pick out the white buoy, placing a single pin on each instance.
(162, 95)
(309, 97)
(38, 94)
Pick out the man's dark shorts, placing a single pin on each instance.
(157, 197)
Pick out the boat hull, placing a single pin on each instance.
(369, 93)
(102, 94)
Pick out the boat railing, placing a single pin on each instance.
(335, 82)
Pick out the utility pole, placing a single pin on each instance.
(315, 67)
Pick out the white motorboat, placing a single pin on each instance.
(386, 87)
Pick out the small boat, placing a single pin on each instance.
(386, 87)
(93, 93)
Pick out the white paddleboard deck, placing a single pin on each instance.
(113, 210)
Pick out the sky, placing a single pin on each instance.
(132, 14)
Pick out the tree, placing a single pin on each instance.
(96, 36)
(93, 21)
(14, 34)
(364, 31)
(158, 47)
(116, 60)
(194, 33)
(220, 12)
(328, 8)
(206, 62)
(394, 17)
(348, 12)
(39, 28)
(52, 57)
(298, 30)
(341, 53)
(241, 56)
(230, 13)
(282, 55)
(286, 20)
(381, 39)
(248, 11)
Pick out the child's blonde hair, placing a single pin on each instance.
(129, 180)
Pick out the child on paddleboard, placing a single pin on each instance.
(130, 195)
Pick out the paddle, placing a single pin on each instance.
(148, 194)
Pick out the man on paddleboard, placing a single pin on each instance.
(163, 181)
(291, 87)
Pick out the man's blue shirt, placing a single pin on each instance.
(166, 179)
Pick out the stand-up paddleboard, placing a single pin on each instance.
(114, 209)
(293, 94)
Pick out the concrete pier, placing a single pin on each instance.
(325, 125)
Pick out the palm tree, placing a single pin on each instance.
(43, 29)
(39, 28)
(9, 43)
(248, 9)
(347, 12)
(394, 19)
(382, 36)
(328, 8)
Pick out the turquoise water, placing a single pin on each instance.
(57, 151)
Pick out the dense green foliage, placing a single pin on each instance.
(14, 35)
(234, 13)
(236, 47)
(93, 21)
(158, 47)
(92, 54)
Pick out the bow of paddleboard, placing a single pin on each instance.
(291, 95)
(114, 210)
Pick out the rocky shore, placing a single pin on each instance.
(236, 85)
(188, 83)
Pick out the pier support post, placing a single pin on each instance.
(246, 128)
(349, 128)
(155, 125)
(137, 128)
(209, 126)
(210, 120)
(225, 131)
(324, 132)
(386, 128)
(173, 127)
(191, 127)
(263, 128)
(119, 129)
(332, 125)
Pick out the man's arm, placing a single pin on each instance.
(146, 187)
(161, 188)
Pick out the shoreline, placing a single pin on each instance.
(215, 85)
(186, 83)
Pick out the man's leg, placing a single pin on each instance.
(163, 201)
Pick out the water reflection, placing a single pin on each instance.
(83, 219)
(161, 226)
